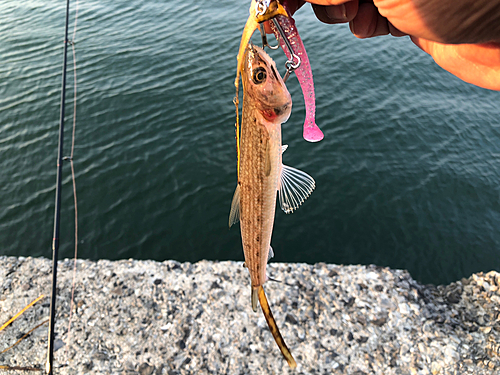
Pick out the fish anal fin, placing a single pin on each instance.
(294, 188)
(270, 254)
(234, 214)
(273, 327)
(255, 297)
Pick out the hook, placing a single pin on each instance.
(263, 35)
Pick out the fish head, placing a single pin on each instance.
(264, 86)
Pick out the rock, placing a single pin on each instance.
(146, 369)
(58, 344)
(291, 319)
(145, 317)
(379, 321)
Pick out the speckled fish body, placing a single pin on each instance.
(311, 131)
(265, 106)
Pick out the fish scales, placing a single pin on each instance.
(259, 170)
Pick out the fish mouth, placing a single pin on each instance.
(280, 112)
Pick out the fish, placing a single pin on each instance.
(311, 131)
(262, 177)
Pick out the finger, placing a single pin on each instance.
(478, 64)
(330, 2)
(336, 13)
(395, 31)
(368, 22)
(293, 5)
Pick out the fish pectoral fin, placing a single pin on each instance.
(294, 188)
(283, 148)
(273, 327)
(234, 214)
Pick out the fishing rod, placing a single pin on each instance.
(57, 215)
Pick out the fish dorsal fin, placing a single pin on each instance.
(283, 148)
(234, 214)
(294, 188)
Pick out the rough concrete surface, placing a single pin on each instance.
(146, 317)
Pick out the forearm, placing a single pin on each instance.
(463, 36)
(460, 21)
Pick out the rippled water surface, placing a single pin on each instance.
(407, 175)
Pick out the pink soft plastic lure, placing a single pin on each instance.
(312, 132)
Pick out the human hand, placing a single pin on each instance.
(459, 34)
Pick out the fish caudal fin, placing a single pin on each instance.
(273, 327)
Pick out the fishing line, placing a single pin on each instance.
(73, 41)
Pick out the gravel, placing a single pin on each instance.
(146, 317)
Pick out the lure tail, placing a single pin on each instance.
(273, 327)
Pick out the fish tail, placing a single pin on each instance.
(273, 327)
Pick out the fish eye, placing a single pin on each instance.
(259, 75)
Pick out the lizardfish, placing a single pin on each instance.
(261, 174)
(311, 131)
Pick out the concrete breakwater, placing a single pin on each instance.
(146, 317)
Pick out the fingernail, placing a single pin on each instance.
(336, 12)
